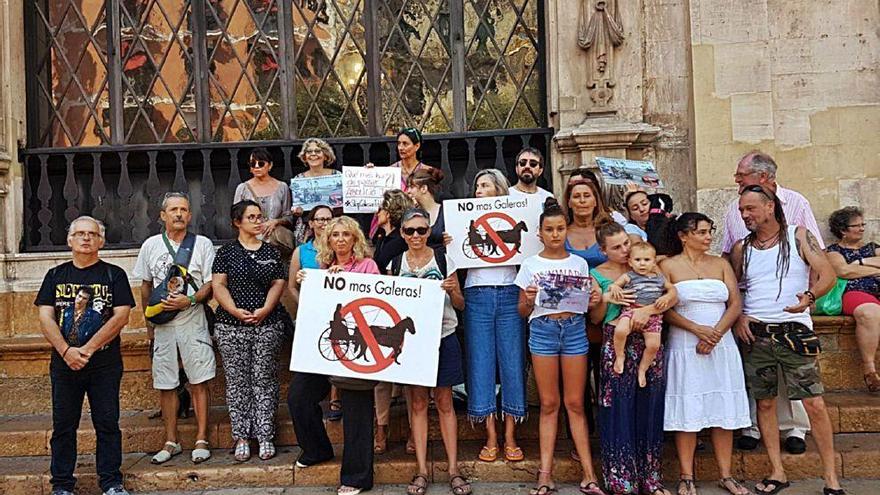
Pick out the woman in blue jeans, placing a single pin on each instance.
(493, 326)
(558, 341)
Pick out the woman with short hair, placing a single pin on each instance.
(858, 262)
(273, 198)
(319, 157)
(249, 278)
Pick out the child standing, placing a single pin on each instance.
(647, 284)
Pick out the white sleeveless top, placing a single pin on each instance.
(762, 285)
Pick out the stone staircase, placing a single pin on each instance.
(25, 429)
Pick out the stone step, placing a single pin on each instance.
(858, 457)
(28, 435)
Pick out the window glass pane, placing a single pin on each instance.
(244, 81)
(157, 76)
(416, 64)
(71, 73)
(501, 69)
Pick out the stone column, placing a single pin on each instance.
(618, 85)
(12, 128)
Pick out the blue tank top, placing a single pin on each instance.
(308, 255)
(592, 255)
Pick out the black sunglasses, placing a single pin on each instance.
(758, 189)
(529, 163)
(259, 163)
(414, 230)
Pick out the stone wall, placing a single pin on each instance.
(798, 79)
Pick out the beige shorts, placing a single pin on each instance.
(190, 342)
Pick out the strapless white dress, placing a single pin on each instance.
(703, 391)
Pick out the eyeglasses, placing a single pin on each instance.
(254, 218)
(259, 163)
(322, 219)
(857, 225)
(740, 175)
(414, 230)
(313, 151)
(80, 234)
(529, 163)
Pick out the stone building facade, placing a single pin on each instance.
(689, 84)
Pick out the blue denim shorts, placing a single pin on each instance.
(563, 337)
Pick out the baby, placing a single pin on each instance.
(648, 285)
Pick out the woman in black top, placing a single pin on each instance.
(249, 278)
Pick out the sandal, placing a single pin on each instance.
(170, 450)
(334, 413)
(267, 450)
(348, 490)
(201, 454)
(381, 445)
(416, 488)
(242, 450)
(833, 491)
(738, 488)
(462, 487)
(872, 381)
(591, 488)
(488, 454)
(686, 487)
(513, 454)
(543, 490)
(775, 486)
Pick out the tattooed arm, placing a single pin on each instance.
(813, 254)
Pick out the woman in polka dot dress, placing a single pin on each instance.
(248, 282)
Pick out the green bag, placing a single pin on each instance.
(831, 304)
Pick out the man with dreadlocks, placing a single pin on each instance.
(773, 265)
(759, 168)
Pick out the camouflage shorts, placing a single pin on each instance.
(801, 373)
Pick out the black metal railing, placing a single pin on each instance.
(123, 185)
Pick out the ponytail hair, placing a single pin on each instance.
(426, 176)
(551, 209)
(606, 230)
(660, 225)
(685, 224)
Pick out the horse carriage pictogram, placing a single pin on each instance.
(343, 340)
(479, 243)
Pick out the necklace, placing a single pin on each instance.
(417, 263)
(693, 267)
(768, 242)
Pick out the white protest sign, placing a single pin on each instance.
(362, 187)
(497, 231)
(369, 326)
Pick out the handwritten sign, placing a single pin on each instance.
(618, 171)
(362, 187)
(495, 231)
(369, 326)
(309, 192)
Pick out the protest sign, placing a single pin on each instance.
(563, 292)
(369, 326)
(362, 187)
(618, 171)
(309, 192)
(497, 231)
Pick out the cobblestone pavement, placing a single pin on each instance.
(806, 487)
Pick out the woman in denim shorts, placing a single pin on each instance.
(550, 283)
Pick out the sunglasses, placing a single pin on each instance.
(414, 230)
(757, 189)
(529, 163)
(259, 163)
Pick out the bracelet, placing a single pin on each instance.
(192, 300)
(812, 296)
(65, 352)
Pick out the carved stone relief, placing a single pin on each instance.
(599, 32)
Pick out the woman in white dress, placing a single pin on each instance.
(705, 385)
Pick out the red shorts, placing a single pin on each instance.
(853, 299)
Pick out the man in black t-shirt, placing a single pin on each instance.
(83, 304)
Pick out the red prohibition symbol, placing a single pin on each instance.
(493, 239)
(356, 310)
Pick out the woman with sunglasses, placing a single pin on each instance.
(249, 278)
(420, 261)
(273, 197)
(493, 325)
(318, 156)
(423, 186)
(341, 248)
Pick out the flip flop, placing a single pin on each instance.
(543, 490)
(513, 454)
(488, 454)
(775, 486)
(591, 488)
(833, 491)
